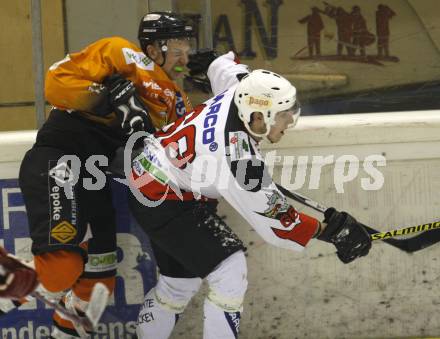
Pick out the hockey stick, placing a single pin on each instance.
(97, 304)
(69, 315)
(408, 245)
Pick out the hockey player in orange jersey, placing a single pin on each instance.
(100, 95)
(76, 81)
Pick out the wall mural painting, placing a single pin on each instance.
(352, 34)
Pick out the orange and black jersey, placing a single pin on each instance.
(73, 86)
(74, 83)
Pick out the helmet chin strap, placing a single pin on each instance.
(258, 135)
(163, 49)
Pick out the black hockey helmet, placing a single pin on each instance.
(162, 26)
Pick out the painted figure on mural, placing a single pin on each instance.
(383, 16)
(344, 27)
(360, 31)
(314, 28)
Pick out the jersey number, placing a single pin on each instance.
(183, 141)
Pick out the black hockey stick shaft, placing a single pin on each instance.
(312, 204)
(402, 244)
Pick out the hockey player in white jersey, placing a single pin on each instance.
(215, 152)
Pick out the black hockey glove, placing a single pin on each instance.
(198, 66)
(349, 236)
(199, 61)
(129, 108)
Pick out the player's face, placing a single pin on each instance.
(176, 57)
(283, 120)
(177, 51)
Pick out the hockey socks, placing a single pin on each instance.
(155, 320)
(219, 324)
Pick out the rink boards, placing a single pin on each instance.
(311, 294)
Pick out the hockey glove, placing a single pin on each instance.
(16, 279)
(198, 66)
(199, 62)
(349, 236)
(129, 108)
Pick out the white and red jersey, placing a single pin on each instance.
(215, 157)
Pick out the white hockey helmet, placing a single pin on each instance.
(266, 92)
